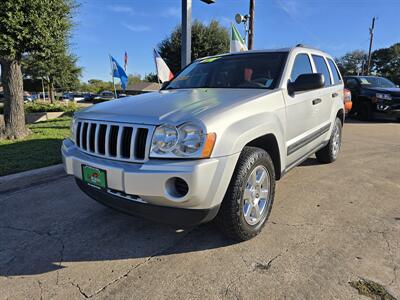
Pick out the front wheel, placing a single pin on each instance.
(248, 200)
(331, 151)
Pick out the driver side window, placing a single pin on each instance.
(302, 65)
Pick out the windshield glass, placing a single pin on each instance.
(377, 82)
(248, 71)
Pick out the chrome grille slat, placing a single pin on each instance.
(95, 138)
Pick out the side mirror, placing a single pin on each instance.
(164, 85)
(306, 82)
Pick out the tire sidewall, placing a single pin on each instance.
(261, 160)
(338, 124)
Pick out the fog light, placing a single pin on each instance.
(176, 187)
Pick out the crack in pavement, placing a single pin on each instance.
(126, 274)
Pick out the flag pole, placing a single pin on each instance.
(112, 75)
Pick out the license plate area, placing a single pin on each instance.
(94, 177)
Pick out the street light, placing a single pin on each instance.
(186, 39)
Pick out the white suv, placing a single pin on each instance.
(213, 141)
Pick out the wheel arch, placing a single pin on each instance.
(269, 143)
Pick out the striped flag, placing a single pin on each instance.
(163, 72)
(125, 60)
(237, 43)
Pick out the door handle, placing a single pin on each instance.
(316, 101)
(335, 95)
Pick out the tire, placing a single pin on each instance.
(231, 217)
(330, 152)
(365, 111)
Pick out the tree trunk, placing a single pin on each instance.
(14, 114)
(51, 90)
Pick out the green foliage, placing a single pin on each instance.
(386, 62)
(353, 63)
(33, 26)
(134, 78)
(40, 149)
(151, 77)
(206, 40)
(57, 107)
(96, 86)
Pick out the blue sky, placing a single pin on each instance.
(137, 26)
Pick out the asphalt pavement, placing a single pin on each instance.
(331, 225)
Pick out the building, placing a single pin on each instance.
(141, 88)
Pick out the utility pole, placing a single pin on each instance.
(371, 38)
(251, 25)
(186, 42)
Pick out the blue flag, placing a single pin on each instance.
(118, 71)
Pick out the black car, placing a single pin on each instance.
(373, 95)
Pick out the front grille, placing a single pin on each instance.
(120, 141)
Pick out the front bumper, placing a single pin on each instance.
(207, 179)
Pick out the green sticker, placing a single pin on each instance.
(94, 176)
(211, 59)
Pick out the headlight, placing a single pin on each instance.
(186, 140)
(383, 96)
(165, 139)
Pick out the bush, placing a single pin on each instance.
(56, 107)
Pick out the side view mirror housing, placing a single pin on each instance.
(306, 82)
(164, 85)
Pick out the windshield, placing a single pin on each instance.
(380, 82)
(248, 71)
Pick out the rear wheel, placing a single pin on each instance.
(248, 200)
(331, 151)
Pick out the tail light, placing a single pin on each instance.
(347, 100)
(346, 96)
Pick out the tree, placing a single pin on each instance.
(96, 86)
(27, 27)
(151, 77)
(386, 62)
(134, 78)
(352, 63)
(206, 40)
(59, 71)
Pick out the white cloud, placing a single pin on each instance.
(174, 12)
(136, 28)
(125, 9)
(290, 7)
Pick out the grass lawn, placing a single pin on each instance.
(40, 149)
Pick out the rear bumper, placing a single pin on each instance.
(163, 214)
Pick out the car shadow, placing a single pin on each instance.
(43, 235)
(375, 120)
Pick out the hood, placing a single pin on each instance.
(393, 91)
(169, 106)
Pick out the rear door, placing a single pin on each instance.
(327, 95)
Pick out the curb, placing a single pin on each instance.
(18, 181)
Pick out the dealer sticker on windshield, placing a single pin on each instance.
(94, 176)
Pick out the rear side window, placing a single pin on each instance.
(322, 68)
(302, 65)
(335, 72)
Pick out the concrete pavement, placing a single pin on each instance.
(330, 224)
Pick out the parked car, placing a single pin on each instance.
(89, 96)
(373, 95)
(105, 95)
(72, 97)
(213, 142)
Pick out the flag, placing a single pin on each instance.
(163, 72)
(125, 60)
(118, 71)
(237, 43)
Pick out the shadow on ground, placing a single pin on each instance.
(44, 235)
